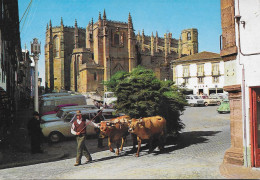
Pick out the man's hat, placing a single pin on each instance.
(78, 113)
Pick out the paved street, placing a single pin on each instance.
(197, 154)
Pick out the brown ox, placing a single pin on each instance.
(116, 129)
(148, 128)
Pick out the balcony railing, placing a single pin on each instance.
(200, 74)
(186, 74)
(215, 73)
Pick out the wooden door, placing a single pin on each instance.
(255, 135)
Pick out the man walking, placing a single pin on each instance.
(78, 128)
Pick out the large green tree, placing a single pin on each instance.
(140, 94)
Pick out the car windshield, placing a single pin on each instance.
(196, 97)
(69, 117)
(59, 113)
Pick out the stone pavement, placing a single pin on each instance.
(196, 156)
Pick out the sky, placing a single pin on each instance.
(163, 16)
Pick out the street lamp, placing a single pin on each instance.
(36, 51)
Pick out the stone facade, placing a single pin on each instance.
(240, 51)
(80, 60)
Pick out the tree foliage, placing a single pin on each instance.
(140, 94)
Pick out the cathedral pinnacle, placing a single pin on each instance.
(61, 22)
(76, 24)
(104, 15)
(99, 16)
(130, 24)
(50, 23)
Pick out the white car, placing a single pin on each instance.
(63, 112)
(57, 130)
(194, 100)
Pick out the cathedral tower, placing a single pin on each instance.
(189, 41)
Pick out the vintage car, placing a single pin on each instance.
(62, 113)
(58, 108)
(194, 100)
(224, 107)
(210, 101)
(55, 131)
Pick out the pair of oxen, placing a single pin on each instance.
(149, 128)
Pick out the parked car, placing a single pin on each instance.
(62, 113)
(210, 101)
(49, 104)
(224, 107)
(218, 99)
(57, 130)
(54, 95)
(58, 108)
(194, 100)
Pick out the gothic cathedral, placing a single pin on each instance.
(80, 59)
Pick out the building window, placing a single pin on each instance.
(200, 80)
(215, 69)
(215, 79)
(116, 39)
(56, 46)
(200, 70)
(186, 71)
(189, 36)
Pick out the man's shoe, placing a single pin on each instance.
(77, 164)
(88, 160)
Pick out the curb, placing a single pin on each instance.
(238, 172)
(26, 163)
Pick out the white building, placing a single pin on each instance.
(241, 52)
(201, 73)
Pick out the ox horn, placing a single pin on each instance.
(140, 120)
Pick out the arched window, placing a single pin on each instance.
(189, 36)
(56, 46)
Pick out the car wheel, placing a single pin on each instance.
(192, 105)
(218, 103)
(55, 137)
(206, 104)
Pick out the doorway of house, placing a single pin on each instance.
(255, 125)
(200, 91)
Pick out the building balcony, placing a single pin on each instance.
(215, 73)
(186, 75)
(200, 74)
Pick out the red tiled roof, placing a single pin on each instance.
(200, 56)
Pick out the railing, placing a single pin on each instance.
(186, 74)
(215, 73)
(200, 74)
